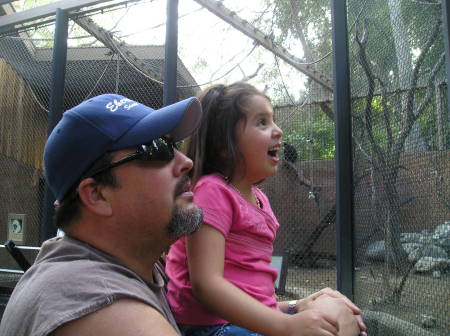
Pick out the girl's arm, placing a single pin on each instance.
(206, 252)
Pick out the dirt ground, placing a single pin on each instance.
(424, 299)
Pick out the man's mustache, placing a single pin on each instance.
(184, 184)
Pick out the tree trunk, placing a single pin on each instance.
(440, 117)
(395, 257)
(414, 142)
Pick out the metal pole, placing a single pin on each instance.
(446, 29)
(48, 230)
(343, 131)
(171, 51)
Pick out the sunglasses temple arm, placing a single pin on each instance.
(115, 164)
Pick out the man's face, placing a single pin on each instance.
(185, 220)
(153, 199)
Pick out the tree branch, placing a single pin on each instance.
(298, 29)
(386, 114)
(430, 88)
(421, 108)
(411, 117)
(362, 43)
(415, 77)
(327, 110)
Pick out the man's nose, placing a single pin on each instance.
(182, 163)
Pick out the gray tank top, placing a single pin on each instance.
(70, 279)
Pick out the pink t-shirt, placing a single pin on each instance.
(249, 233)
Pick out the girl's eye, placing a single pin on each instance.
(262, 122)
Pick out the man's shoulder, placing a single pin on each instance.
(123, 317)
(56, 290)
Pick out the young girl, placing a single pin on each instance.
(220, 278)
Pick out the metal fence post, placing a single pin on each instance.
(47, 229)
(343, 131)
(170, 56)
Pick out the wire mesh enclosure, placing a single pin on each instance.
(400, 129)
(401, 161)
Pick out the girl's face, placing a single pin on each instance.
(259, 141)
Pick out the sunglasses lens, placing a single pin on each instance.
(159, 150)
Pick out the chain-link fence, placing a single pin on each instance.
(401, 163)
(400, 129)
(97, 62)
(23, 133)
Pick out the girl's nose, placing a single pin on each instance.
(277, 131)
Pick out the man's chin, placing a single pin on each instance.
(185, 220)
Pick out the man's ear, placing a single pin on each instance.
(91, 195)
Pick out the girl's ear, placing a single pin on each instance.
(92, 197)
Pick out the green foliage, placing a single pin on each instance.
(43, 35)
(314, 140)
(27, 4)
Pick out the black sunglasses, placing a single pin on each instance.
(158, 150)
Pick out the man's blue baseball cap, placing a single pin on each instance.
(106, 123)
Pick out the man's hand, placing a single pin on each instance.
(311, 322)
(310, 303)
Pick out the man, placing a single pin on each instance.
(123, 197)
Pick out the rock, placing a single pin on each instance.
(410, 237)
(410, 247)
(428, 321)
(426, 238)
(442, 231)
(429, 264)
(427, 251)
(383, 324)
(444, 243)
(375, 251)
(436, 274)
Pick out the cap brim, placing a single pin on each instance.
(179, 120)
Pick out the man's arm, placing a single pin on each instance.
(124, 317)
(338, 309)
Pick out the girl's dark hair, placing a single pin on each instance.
(213, 146)
(69, 209)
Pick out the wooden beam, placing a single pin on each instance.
(3, 2)
(257, 35)
(9, 9)
(9, 21)
(108, 40)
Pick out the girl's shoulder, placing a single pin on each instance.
(213, 192)
(211, 180)
(214, 185)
